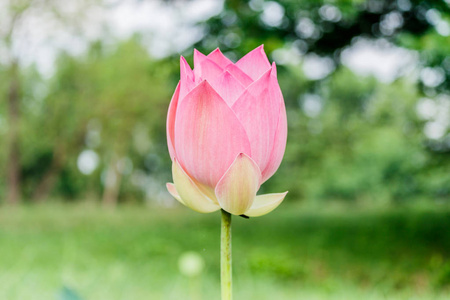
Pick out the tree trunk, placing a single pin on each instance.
(112, 184)
(49, 179)
(13, 169)
(61, 151)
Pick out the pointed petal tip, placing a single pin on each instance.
(185, 68)
(198, 58)
(228, 87)
(254, 63)
(173, 191)
(205, 86)
(204, 83)
(242, 155)
(198, 54)
(215, 50)
(240, 75)
(227, 73)
(171, 188)
(261, 49)
(273, 70)
(219, 58)
(183, 60)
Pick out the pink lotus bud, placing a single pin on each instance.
(226, 132)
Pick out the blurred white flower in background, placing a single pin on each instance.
(191, 264)
(87, 162)
(379, 58)
(437, 114)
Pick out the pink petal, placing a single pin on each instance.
(171, 122)
(189, 193)
(239, 75)
(279, 144)
(205, 68)
(258, 111)
(264, 204)
(198, 59)
(185, 69)
(210, 70)
(237, 189)
(228, 87)
(255, 63)
(220, 59)
(186, 78)
(208, 135)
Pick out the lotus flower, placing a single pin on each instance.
(226, 133)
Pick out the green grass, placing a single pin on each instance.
(292, 253)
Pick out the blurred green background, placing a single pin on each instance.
(85, 86)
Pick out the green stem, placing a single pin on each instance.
(225, 256)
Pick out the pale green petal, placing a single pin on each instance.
(264, 204)
(189, 192)
(237, 188)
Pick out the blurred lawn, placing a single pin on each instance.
(292, 253)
